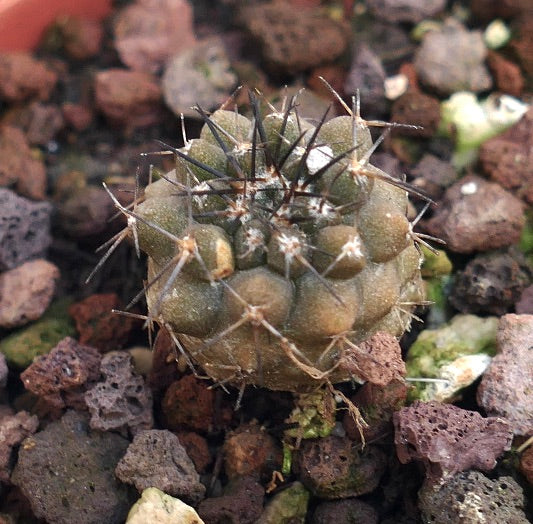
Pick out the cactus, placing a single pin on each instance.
(275, 246)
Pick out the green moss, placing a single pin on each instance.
(435, 264)
(287, 507)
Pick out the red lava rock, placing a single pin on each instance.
(164, 366)
(78, 116)
(156, 458)
(507, 158)
(524, 306)
(190, 404)
(13, 430)
(242, 503)
(24, 229)
(448, 439)
(477, 215)
(412, 11)
(433, 175)
(98, 326)
(415, 108)
(334, 467)
(294, 40)
(128, 98)
(61, 377)
(81, 38)
(23, 77)
(251, 451)
(19, 168)
(121, 400)
(506, 74)
(408, 69)
(148, 32)
(377, 404)
(491, 283)
(333, 74)
(526, 464)
(506, 389)
(197, 449)
(26, 291)
(354, 511)
(67, 470)
(377, 360)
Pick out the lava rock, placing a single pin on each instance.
(148, 33)
(448, 439)
(61, 377)
(24, 229)
(288, 506)
(491, 283)
(121, 400)
(164, 369)
(411, 11)
(524, 306)
(156, 458)
(522, 45)
(452, 60)
(472, 497)
(477, 215)
(241, 503)
(526, 464)
(334, 467)
(433, 176)
(67, 470)
(419, 109)
(197, 449)
(354, 511)
(80, 38)
(4, 371)
(26, 291)
(506, 74)
(13, 430)
(23, 77)
(506, 389)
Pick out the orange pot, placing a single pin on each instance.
(22, 22)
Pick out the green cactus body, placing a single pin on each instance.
(274, 245)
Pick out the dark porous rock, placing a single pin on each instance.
(522, 45)
(412, 11)
(507, 158)
(491, 283)
(98, 326)
(251, 451)
(164, 369)
(526, 464)
(80, 38)
(156, 458)
(335, 467)
(448, 439)
(506, 389)
(418, 109)
(128, 98)
(197, 448)
(23, 77)
(61, 377)
(4, 371)
(452, 60)
(121, 400)
(524, 306)
(24, 229)
(507, 75)
(294, 40)
(241, 503)
(19, 168)
(26, 291)
(477, 215)
(433, 176)
(471, 497)
(66, 470)
(352, 511)
(13, 430)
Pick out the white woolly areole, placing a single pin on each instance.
(318, 157)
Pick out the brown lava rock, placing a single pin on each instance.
(524, 306)
(251, 451)
(61, 377)
(67, 470)
(98, 326)
(121, 400)
(506, 74)
(523, 44)
(164, 368)
(334, 467)
(526, 464)
(80, 38)
(26, 291)
(241, 503)
(352, 511)
(412, 11)
(506, 389)
(156, 458)
(197, 449)
(447, 439)
(415, 108)
(23, 77)
(433, 176)
(477, 215)
(294, 40)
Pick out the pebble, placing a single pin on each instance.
(410, 11)
(476, 215)
(80, 38)
(19, 167)
(67, 469)
(164, 366)
(197, 448)
(448, 439)
(526, 464)
(121, 401)
(198, 76)
(522, 46)
(128, 98)
(418, 109)
(524, 306)
(157, 459)
(506, 389)
(506, 74)
(77, 116)
(351, 510)
(452, 60)
(23, 77)
(433, 176)
(4, 372)
(149, 32)
(26, 291)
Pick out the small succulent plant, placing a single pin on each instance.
(275, 247)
